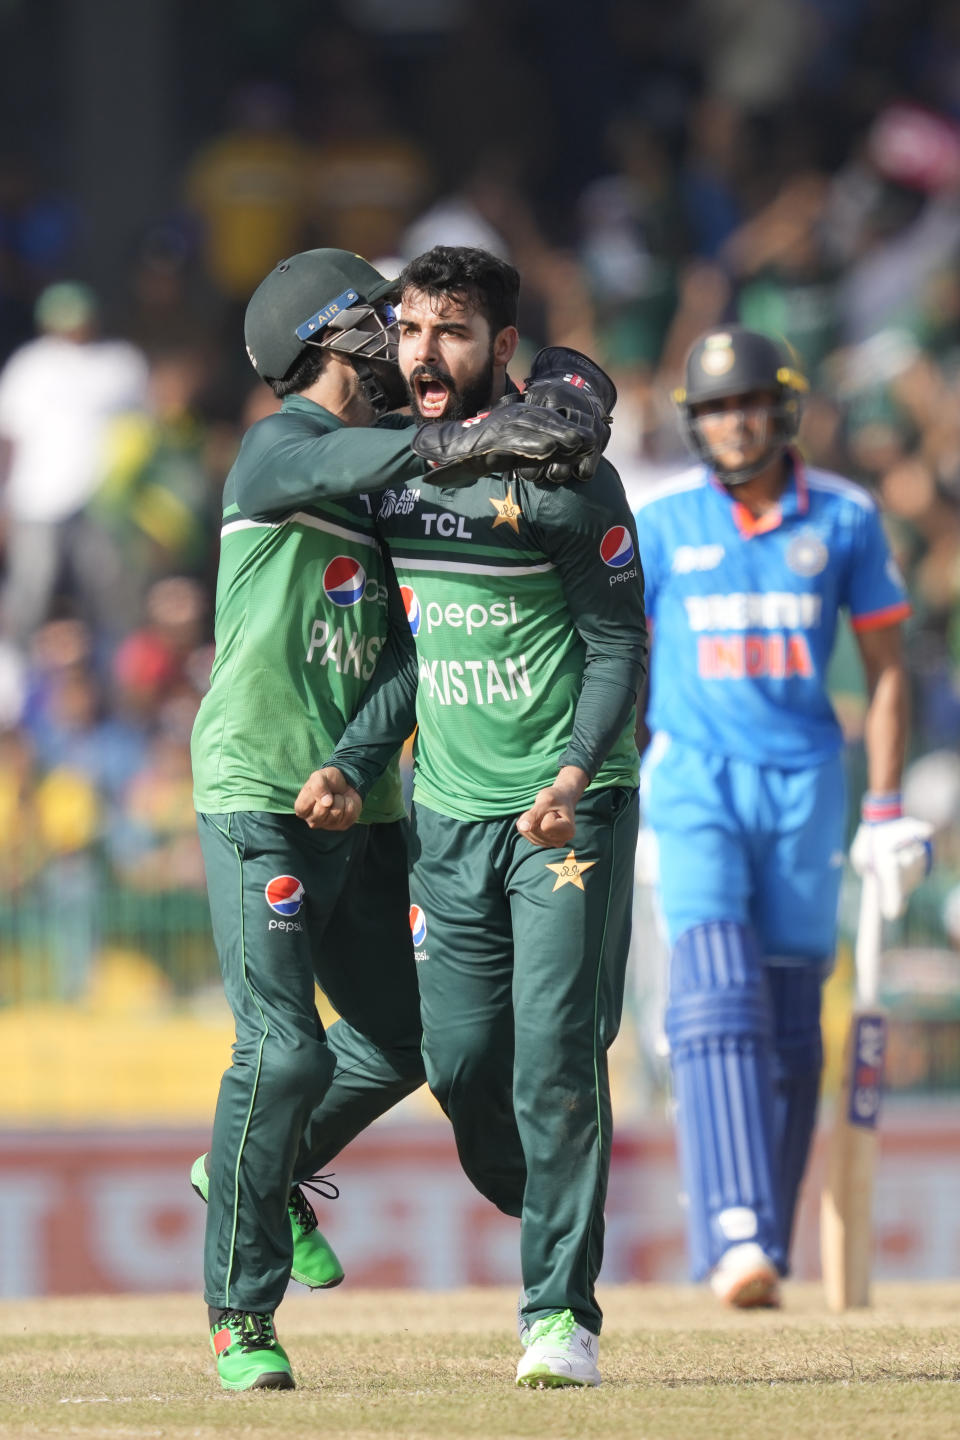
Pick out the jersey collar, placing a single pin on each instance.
(795, 500)
(310, 407)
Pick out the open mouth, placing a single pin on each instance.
(432, 396)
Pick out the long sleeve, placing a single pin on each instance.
(386, 715)
(285, 465)
(588, 532)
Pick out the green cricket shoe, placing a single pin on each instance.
(558, 1352)
(249, 1355)
(315, 1263)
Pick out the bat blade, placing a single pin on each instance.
(846, 1211)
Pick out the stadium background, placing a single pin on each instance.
(794, 164)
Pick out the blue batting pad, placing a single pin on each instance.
(718, 1023)
(795, 994)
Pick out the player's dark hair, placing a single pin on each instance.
(473, 276)
(307, 368)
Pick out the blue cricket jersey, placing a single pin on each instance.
(744, 610)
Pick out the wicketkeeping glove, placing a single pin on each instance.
(501, 439)
(563, 379)
(895, 848)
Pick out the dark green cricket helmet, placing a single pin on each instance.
(328, 298)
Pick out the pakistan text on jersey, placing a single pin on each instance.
(770, 610)
(354, 655)
(475, 682)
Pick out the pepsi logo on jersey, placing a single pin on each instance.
(284, 895)
(617, 551)
(418, 933)
(344, 580)
(345, 583)
(412, 606)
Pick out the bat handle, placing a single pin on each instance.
(869, 939)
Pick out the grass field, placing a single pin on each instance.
(416, 1366)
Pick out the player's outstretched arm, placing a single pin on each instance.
(285, 465)
(507, 436)
(551, 820)
(328, 801)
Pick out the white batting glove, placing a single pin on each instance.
(895, 848)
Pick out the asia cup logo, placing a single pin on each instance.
(418, 925)
(616, 547)
(344, 581)
(412, 606)
(284, 894)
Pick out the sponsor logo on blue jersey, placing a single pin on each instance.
(284, 894)
(344, 581)
(688, 558)
(412, 606)
(616, 547)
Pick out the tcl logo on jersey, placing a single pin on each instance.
(418, 933)
(616, 547)
(284, 895)
(412, 606)
(449, 527)
(344, 581)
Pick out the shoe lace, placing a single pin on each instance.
(254, 1329)
(556, 1327)
(300, 1206)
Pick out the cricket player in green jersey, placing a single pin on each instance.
(305, 605)
(525, 603)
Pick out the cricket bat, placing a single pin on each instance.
(846, 1229)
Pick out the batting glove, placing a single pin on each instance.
(895, 848)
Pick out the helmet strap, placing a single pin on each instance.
(371, 387)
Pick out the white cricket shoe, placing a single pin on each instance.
(559, 1352)
(523, 1324)
(746, 1278)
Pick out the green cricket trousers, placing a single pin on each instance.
(291, 908)
(521, 956)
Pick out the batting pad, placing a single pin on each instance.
(797, 1061)
(719, 1027)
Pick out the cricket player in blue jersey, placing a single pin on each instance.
(749, 559)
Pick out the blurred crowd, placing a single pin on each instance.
(793, 165)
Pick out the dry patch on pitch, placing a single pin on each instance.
(416, 1366)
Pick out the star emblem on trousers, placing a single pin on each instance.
(507, 512)
(570, 871)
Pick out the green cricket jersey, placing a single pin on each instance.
(525, 602)
(302, 608)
